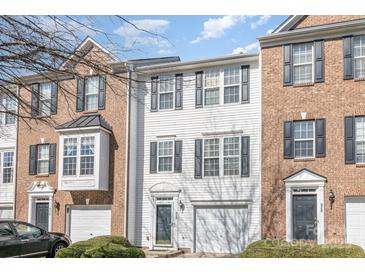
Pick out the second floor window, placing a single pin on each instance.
(211, 157)
(6, 167)
(211, 87)
(231, 85)
(359, 56)
(78, 156)
(304, 139)
(303, 63)
(231, 154)
(165, 155)
(7, 110)
(166, 92)
(360, 140)
(45, 95)
(91, 92)
(42, 159)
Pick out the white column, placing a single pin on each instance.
(288, 213)
(320, 214)
(30, 208)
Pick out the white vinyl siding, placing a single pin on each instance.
(165, 156)
(360, 140)
(167, 90)
(359, 56)
(303, 65)
(188, 125)
(304, 139)
(45, 94)
(91, 92)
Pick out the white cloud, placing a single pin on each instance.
(263, 19)
(269, 31)
(216, 27)
(248, 48)
(134, 37)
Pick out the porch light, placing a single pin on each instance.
(182, 206)
(331, 198)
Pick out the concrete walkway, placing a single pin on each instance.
(181, 254)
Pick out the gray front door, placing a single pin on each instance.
(163, 224)
(41, 217)
(305, 217)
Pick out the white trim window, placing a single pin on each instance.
(303, 65)
(42, 159)
(304, 139)
(69, 156)
(91, 93)
(165, 156)
(7, 167)
(45, 95)
(231, 85)
(231, 155)
(211, 157)
(87, 155)
(360, 140)
(7, 110)
(359, 56)
(167, 89)
(211, 87)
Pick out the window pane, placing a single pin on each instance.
(231, 146)
(70, 147)
(165, 153)
(8, 167)
(43, 159)
(360, 139)
(303, 74)
(211, 148)
(87, 145)
(304, 130)
(87, 165)
(304, 148)
(69, 156)
(166, 84)
(359, 46)
(211, 79)
(303, 63)
(212, 96)
(211, 167)
(165, 164)
(231, 76)
(360, 67)
(69, 166)
(211, 157)
(166, 100)
(165, 148)
(232, 166)
(231, 94)
(45, 98)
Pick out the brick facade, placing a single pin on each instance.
(31, 131)
(315, 20)
(333, 99)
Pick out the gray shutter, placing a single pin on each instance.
(348, 70)
(153, 157)
(80, 95)
(178, 157)
(245, 156)
(318, 61)
(198, 170)
(198, 89)
(350, 140)
(288, 140)
(32, 159)
(102, 88)
(287, 68)
(245, 94)
(54, 97)
(35, 100)
(154, 94)
(52, 159)
(320, 137)
(178, 91)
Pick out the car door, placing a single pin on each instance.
(9, 242)
(34, 241)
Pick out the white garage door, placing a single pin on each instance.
(88, 222)
(6, 212)
(355, 221)
(220, 229)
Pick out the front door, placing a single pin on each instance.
(41, 217)
(305, 217)
(163, 224)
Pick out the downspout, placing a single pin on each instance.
(16, 155)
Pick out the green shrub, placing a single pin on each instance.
(101, 247)
(300, 249)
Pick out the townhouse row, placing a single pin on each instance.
(205, 156)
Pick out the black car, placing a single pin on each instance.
(20, 239)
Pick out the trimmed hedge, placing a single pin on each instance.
(101, 247)
(300, 249)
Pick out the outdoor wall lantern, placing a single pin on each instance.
(331, 197)
(182, 206)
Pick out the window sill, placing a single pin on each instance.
(40, 175)
(90, 111)
(360, 165)
(303, 85)
(304, 159)
(359, 79)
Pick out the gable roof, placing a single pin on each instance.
(290, 23)
(305, 175)
(83, 48)
(86, 121)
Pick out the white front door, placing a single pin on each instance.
(221, 229)
(89, 221)
(355, 221)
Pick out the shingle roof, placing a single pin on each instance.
(85, 121)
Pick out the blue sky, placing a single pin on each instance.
(190, 37)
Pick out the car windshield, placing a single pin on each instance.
(27, 230)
